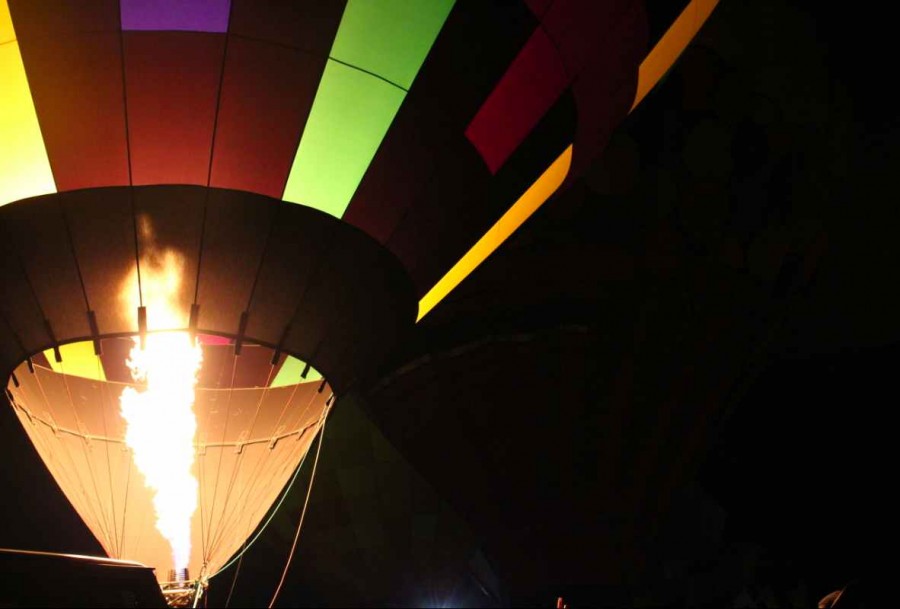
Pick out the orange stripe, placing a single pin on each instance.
(528, 203)
(671, 45)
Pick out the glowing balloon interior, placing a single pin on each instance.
(147, 479)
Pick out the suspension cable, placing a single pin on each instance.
(272, 513)
(312, 477)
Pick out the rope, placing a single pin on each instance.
(312, 478)
(258, 468)
(275, 509)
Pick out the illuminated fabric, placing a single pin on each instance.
(290, 371)
(671, 45)
(249, 442)
(24, 168)
(378, 50)
(78, 359)
(521, 210)
(191, 15)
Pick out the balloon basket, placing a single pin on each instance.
(182, 592)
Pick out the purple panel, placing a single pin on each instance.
(191, 15)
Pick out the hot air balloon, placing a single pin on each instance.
(220, 217)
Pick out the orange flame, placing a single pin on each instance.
(160, 420)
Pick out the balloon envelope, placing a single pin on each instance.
(249, 442)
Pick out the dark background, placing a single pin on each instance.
(672, 387)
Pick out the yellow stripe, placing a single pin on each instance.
(671, 45)
(24, 167)
(78, 360)
(528, 203)
(6, 28)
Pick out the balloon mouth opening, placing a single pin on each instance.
(257, 412)
(105, 359)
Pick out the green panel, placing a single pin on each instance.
(390, 38)
(354, 109)
(349, 117)
(290, 373)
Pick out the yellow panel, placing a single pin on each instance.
(6, 28)
(671, 45)
(24, 167)
(78, 360)
(528, 203)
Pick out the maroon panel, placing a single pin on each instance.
(587, 31)
(530, 87)
(463, 201)
(72, 55)
(604, 89)
(307, 26)
(599, 42)
(538, 7)
(172, 83)
(451, 212)
(253, 367)
(276, 54)
(267, 91)
(600, 109)
(419, 154)
(409, 159)
(116, 352)
(65, 16)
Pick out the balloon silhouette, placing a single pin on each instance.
(218, 214)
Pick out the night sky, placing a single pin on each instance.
(711, 311)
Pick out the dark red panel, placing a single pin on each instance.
(65, 16)
(72, 55)
(421, 154)
(307, 26)
(605, 87)
(409, 160)
(172, 83)
(267, 92)
(453, 215)
(253, 367)
(538, 7)
(586, 31)
(530, 87)
(578, 40)
(276, 54)
(116, 352)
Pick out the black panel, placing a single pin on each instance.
(37, 232)
(290, 263)
(237, 226)
(102, 228)
(169, 223)
(661, 14)
(347, 298)
(450, 220)
(426, 137)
